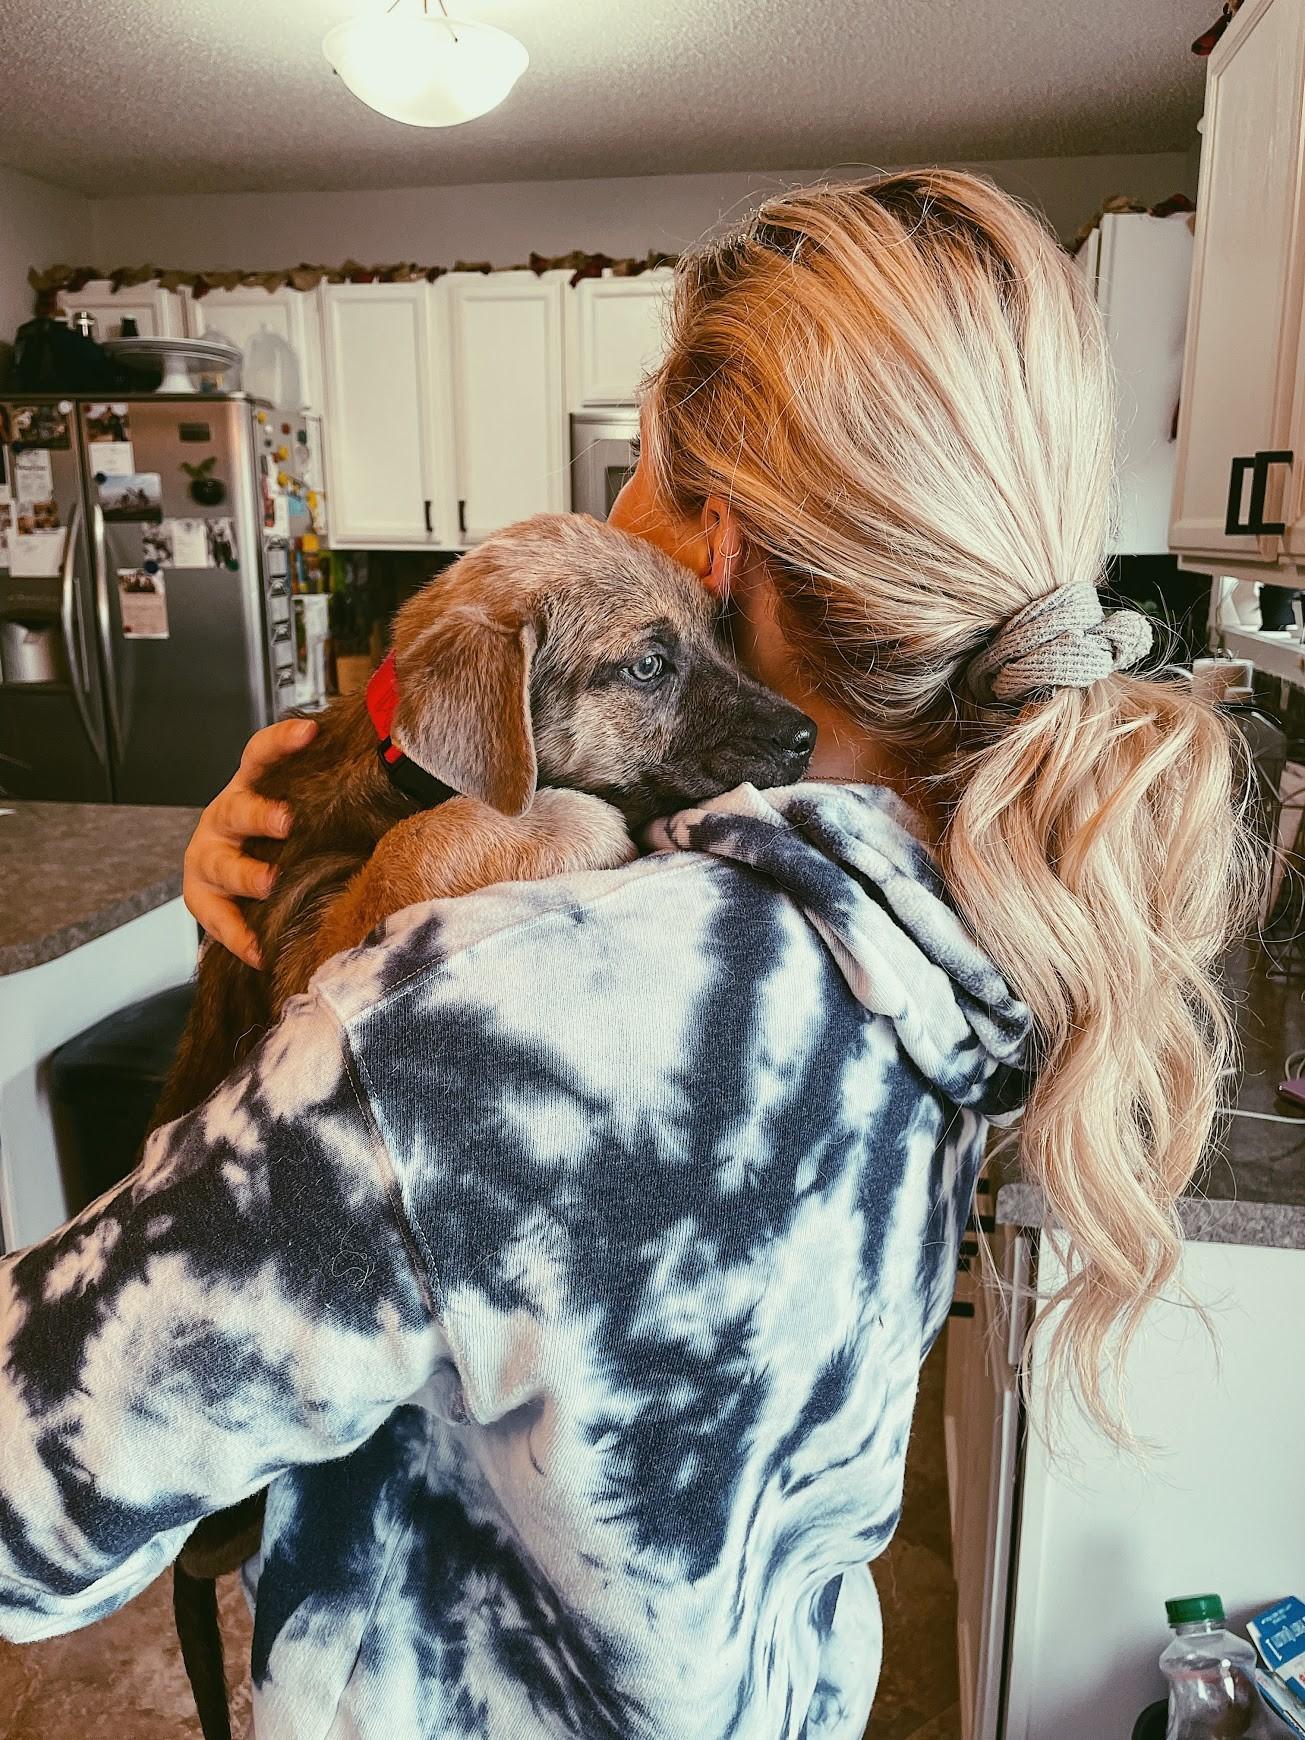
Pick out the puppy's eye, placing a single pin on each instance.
(646, 669)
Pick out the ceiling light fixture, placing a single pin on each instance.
(424, 70)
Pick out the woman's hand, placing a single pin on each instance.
(216, 869)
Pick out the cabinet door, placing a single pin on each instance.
(383, 383)
(509, 401)
(1211, 1503)
(1244, 314)
(288, 318)
(620, 335)
(1143, 279)
(157, 313)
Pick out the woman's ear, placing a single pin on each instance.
(463, 711)
(724, 540)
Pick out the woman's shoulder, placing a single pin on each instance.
(664, 911)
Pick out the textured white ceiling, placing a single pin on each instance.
(118, 96)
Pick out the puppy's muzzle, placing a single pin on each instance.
(782, 735)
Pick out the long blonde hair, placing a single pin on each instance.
(901, 386)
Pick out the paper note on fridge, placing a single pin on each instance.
(36, 555)
(33, 478)
(142, 604)
(189, 543)
(108, 435)
(112, 458)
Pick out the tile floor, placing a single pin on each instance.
(122, 1679)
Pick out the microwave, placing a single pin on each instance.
(604, 450)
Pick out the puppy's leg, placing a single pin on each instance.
(459, 847)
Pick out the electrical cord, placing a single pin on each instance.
(1291, 1063)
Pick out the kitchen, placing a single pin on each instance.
(341, 351)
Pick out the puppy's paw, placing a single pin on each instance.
(580, 832)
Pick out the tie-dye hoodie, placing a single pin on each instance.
(565, 1261)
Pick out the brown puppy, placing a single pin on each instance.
(559, 685)
(560, 654)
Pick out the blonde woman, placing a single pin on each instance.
(570, 1254)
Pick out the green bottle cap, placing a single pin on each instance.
(1186, 1609)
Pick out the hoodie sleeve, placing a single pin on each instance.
(242, 1303)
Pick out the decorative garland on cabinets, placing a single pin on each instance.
(305, 277)
(1177, 202)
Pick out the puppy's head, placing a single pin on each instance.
(561, 652)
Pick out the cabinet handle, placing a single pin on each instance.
(425, 508)
(1232, 519)
(1254, 524)
(462, 519)
(1259, 484)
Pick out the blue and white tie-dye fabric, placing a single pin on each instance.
(565, 1260)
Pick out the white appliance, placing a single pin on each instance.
(604, 451)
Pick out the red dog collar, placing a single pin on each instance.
(413, 781)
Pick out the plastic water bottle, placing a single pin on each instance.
(1211, 1674)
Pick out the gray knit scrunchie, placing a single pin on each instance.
(1062, 640)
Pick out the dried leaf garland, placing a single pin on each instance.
(306, 277)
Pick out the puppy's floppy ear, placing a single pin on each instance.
(463, 710)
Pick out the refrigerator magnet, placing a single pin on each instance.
(40, 426)
(189, 542)
(157, 547)
(137, 495)
(108, 435)
(38, 516)
(33, 477)
(110, 442)
(36, 555)
(222, 551)
(143, 604)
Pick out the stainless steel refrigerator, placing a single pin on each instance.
(146, 623)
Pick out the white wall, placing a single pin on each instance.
(40, 225)
(502, 222)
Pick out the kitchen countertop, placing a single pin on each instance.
(72, 872)
(1251, 1189)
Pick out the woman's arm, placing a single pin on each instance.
(217, 872)
(242, 1303)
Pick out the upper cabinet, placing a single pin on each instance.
(1139, 269)
(509, 427)
(1242, 413)
(386, 403)
(158, 313)
(279, 334)
(618, 335)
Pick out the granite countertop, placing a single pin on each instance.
(1251, 1188)
(72, 872)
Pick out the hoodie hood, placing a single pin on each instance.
(853, 858)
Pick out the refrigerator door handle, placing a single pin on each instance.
(75, 650)
(106, 628)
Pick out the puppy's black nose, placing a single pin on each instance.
(801, 740)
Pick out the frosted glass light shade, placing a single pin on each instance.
(427, 72)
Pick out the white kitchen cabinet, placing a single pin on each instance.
(1244, 317)
(618, 335)
(1139, 269)
(261, 324)
(1067, 1547)
(158, 313)
(386, 391)
(505, 336)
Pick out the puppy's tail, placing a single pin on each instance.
(195, 1612)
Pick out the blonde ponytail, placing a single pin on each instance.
(1094, 847)
(902, 387)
